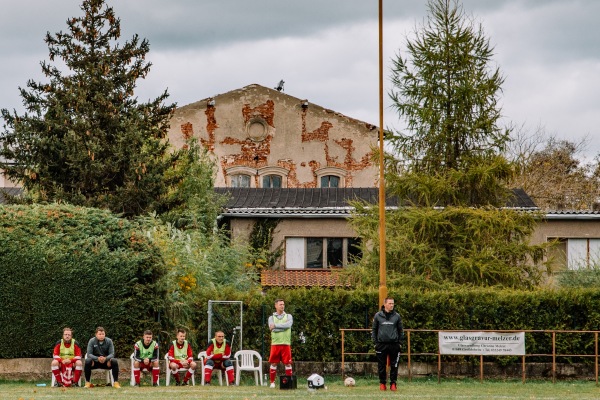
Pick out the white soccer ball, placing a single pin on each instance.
(349, 381)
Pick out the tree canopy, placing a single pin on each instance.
(447, 90)
(84, 137)
(447, 170)
(554, 172)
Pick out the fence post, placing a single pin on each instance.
(553, 356)
(596, 356)
(343, 369)
(408, 354)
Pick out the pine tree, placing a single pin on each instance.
(84, 138)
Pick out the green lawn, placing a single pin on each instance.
(365, 389)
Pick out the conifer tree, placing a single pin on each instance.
(447, 91)
(84, 137)
(447, 171)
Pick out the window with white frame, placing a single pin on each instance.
(320, 252)
(575, 253)
(583, 253)
(330, 177)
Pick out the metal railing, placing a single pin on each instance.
(409, 353)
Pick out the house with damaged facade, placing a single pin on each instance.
(285, 159)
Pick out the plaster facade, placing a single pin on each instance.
(258, 132)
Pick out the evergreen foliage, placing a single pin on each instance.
(447, 93)
(79, 267)
(448, 171)
(84, 138)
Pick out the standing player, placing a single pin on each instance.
(181, 356)
(66, 357)
(145, 357)
(218, 356)
(280, 325)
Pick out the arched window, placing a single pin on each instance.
(240, 176)
(273, 177)
(331, 177)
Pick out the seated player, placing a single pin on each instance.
(218, 356)
(66, 364)
(180, 355)
(145, 357)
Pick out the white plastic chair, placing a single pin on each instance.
(109, 378)
(168, 372)
(202, 357)
(132, 381)
(247, 360)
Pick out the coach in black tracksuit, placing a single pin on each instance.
(386, 334)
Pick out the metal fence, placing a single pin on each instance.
(410, 353)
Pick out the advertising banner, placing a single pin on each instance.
(482, 343)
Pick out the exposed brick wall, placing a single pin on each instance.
(211, 127)
(265, 111)
(235, 150)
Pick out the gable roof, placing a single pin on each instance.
(317, 202)
(272, 94)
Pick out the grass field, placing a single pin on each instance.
(365, 389)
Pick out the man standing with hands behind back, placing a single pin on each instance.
(280, 325)
(386, 334)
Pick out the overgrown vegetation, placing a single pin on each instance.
(259, 243)
(73, 266)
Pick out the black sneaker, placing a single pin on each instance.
(184, 383)
(177, 383)
(207, 383)
(136, 385)
(75, 384)
(155, 384)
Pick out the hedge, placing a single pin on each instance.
(71, 266)
(320, 313)
(78, 267)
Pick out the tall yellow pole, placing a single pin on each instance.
(382, 265)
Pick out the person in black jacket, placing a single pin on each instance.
(386, 334)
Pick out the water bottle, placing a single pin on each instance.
(265, 380)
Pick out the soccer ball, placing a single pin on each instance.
(349, 381)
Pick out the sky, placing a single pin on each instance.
(327, 51)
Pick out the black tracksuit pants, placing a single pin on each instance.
(383, 351)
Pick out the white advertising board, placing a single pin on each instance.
(482, 343)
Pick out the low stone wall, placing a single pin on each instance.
(38, 369)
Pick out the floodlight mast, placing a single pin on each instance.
(382, 261)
